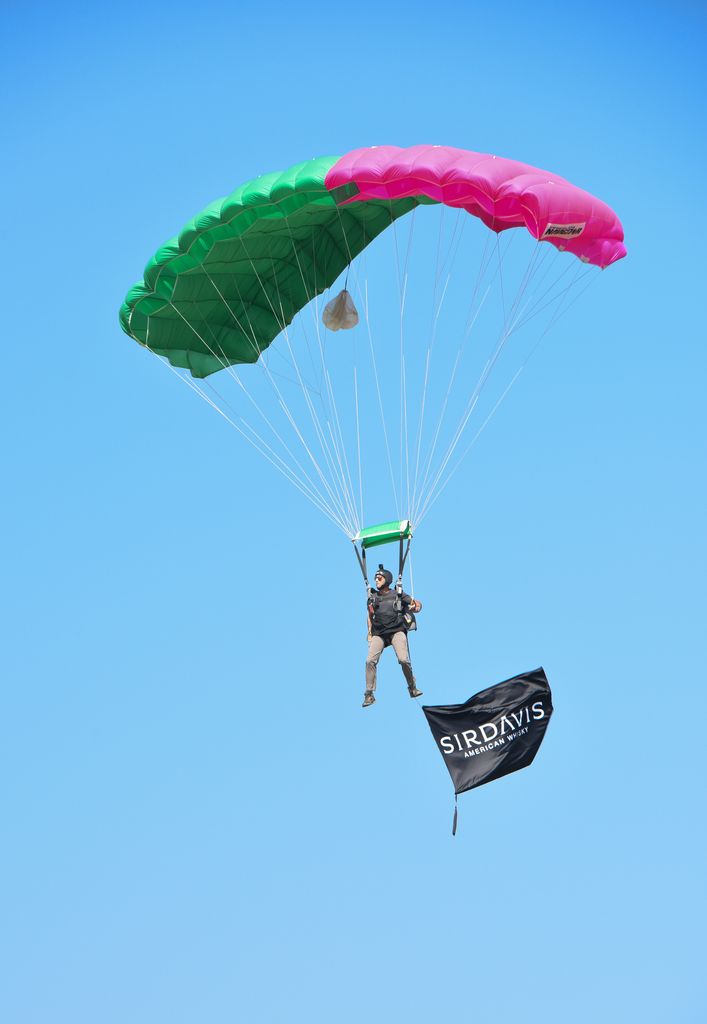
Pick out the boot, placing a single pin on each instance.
(368, 699)
(413, 690)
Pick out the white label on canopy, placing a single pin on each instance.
(563, 230)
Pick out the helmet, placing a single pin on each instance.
(386, 574)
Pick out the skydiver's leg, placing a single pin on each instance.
(402, 651)
(375, 649)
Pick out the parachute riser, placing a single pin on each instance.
(402, 558)
(361, 556)
(403, 552)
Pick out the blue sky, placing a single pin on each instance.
(200, 822)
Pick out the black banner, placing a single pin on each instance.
(496, 732)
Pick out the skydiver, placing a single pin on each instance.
(389, 621)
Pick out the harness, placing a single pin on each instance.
(403, 552)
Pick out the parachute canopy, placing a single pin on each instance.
(371, 423)
(224, 288)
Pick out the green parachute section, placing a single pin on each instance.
(384, 533)
(234, 278)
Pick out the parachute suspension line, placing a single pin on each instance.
(557, 314)
(261, 446)
(533, 270)
(322, 505)
(341, 498)
(432, 497)
(343, 462)
(429, 348)
(323, 349)
(521, 313)
(337, 477)
(283, 404)
(356, 408)
(404, 371)
(338, 445)
(406, 510)
(402, 279)
(312, 359)
(436, 310)
(363, 299)
(500, 400)
(355, 383)
(396, 501)
(266, 355)
(358, 446)
(281, 321)
(338, 442)
(277, 435)
(537, 309)
(544, 264)
(457, 235)
(198, 390)
(232, 373)
(485, 263)
(488, 367)
(315, 368)
(332, 496)
(359, 463)
(500, 276)
(362, 291)
(506, 330)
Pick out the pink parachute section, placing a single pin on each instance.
(502, 193)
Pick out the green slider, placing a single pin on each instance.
(384, 533)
